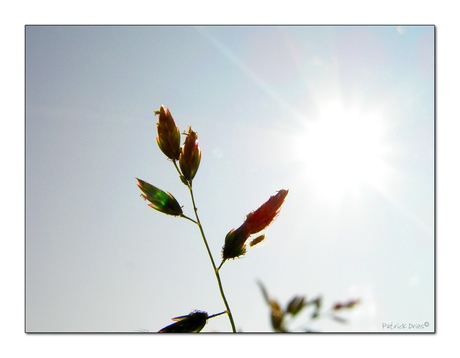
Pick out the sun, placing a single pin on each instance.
(343, 151)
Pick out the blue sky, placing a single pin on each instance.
(343, 117)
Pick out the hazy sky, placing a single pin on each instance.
(343, 117)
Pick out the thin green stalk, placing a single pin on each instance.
(217, 314)
(186, 217)
(216, 270)
(220, 265)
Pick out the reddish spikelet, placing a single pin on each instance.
(262, 217)
(235, 241)
(168, 137)
(190, 157)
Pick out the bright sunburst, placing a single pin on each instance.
(343, 151)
